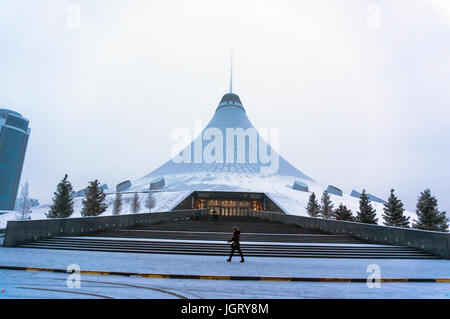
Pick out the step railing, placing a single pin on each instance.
(436, 243)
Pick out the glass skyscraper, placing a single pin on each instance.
(14, 133)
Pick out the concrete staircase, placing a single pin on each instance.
(204, 237)
(252, 229)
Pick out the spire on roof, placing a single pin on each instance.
(231, 73)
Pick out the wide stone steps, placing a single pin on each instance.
(253, 229)
(258, 237)
(225, 224)
(223, 249)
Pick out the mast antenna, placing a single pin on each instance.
(231, 73)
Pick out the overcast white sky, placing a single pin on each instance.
(360, 102)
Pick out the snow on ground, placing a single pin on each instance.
(216, 265)
(19, 284)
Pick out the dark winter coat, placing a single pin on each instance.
(235, 240)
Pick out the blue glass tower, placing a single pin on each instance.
(14, 133)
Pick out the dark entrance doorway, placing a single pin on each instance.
(229, 203)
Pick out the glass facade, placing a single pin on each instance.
(228, 207)
(228, 203)
(14, 133)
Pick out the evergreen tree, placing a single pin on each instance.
(94, 200)
(135, 204)
(343, 213)
(150, 201)
(117, 204)
(394, 212)
(429, 217)
(366, 214)
(326, 207)
(62, 206)
(313, 208)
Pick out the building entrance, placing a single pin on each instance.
(229, 207)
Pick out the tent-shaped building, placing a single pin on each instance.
(230, 168)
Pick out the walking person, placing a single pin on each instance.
(235, 244)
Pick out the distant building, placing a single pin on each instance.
(14, 133)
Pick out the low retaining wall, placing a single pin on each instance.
(21, 232)
(436, 243)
